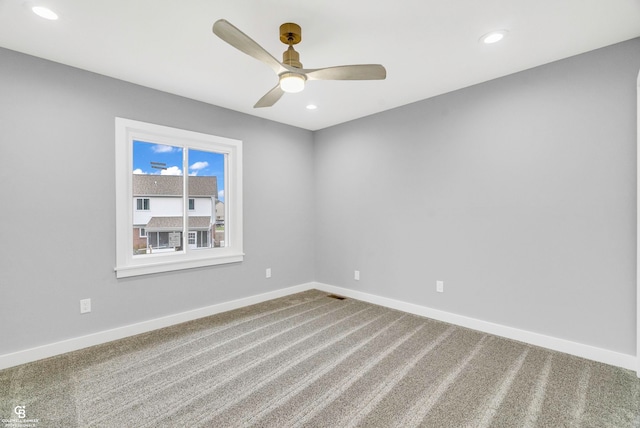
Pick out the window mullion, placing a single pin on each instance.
(185, 198)
(228, 199)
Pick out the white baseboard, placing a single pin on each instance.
(76, 343)
(573, 348)
(549, 342)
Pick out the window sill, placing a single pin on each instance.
(161, 264)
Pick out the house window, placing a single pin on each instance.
(203, 239)
(160, 172)
(142, 204)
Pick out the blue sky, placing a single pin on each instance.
(201, 163)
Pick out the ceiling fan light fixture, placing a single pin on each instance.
(292, 82)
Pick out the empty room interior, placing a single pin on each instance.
(437, 229)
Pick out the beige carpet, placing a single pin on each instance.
(311, 360)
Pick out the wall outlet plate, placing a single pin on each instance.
(85, 306)
(440, 286)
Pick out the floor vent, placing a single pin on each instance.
(334, 296)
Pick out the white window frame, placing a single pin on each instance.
(128, 264)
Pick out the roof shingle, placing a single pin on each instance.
(171, 185)
(164, 224)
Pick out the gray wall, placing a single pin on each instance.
(518, 193)
(58, 204)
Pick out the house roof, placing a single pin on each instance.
(167, 224)
(171, 185)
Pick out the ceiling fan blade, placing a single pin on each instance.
(348, 72)
(236, 38)
(270, 98)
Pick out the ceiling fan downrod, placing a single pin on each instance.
(291, 34)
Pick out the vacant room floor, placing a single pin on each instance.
(312, 360)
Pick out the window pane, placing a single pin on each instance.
(206, 188)
(158, 187)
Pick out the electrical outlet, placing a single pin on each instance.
(268, 273)
(356, 275)
(440, 286)
(85, 306)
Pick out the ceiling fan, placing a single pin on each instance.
(291, 75)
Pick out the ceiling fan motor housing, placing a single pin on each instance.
(291, 57)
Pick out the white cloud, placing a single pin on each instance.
(139, 171)
(160, 148)
(172, 170)
(221, 194)
(199, 165)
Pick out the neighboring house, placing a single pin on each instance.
(158, 212)
(219, 235)
(219, 212)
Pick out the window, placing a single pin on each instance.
(170, 185)
(142, 204)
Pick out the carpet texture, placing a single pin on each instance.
(311, 360)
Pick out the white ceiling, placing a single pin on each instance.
(428, 47)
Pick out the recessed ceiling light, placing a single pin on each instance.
(493, 37)
(45, 13)
(312, 107)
